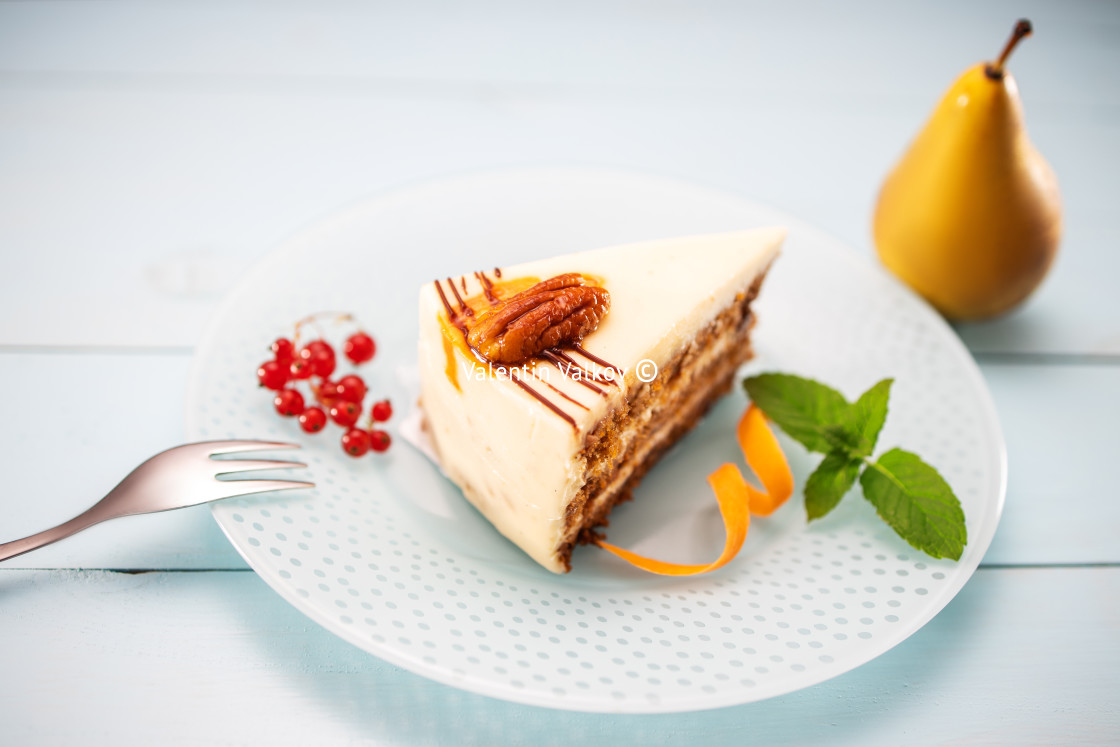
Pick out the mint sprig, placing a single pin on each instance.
(908, 494)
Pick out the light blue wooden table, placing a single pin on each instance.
(150, 153)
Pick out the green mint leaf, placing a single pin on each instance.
(842, 438)
(865, 418)
(918, 504)
(830, 482)
(803, 408)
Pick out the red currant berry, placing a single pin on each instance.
(382, 411)
(272, 375)
(355, 442)
(300, 369)
(345, 413)
(284, 351)
(351, 388)
(360, 347)
(314, 347)
(288, 402)
(321, 357)
(379, 440)
(327, 392)
(312, 419)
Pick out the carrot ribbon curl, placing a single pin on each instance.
(737, 498)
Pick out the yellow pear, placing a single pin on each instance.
(970, 217)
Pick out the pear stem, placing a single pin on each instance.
(1022, 30)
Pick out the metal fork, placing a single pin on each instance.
(179, 477)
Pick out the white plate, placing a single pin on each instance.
(386, 553)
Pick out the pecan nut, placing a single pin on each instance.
(560, 310)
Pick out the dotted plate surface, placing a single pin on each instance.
(388, 555)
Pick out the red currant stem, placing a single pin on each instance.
(336, 317)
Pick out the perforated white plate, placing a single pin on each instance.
(386, 553)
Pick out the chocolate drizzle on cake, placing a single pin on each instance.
(451, 315)
(487, 287)
(518, 327)
(463, 308)
(540, 396)
(573, 400)
(566, 364)
(596, 360)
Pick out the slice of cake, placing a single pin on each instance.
(550, 388)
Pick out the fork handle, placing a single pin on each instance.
(82, 521)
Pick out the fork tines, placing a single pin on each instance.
(237, 466)
(215, 448)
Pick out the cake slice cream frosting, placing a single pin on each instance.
(544, 445)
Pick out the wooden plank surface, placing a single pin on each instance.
(112, 411)
(180, 658)
(120, 126)
(802, 48)
(149, 153)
